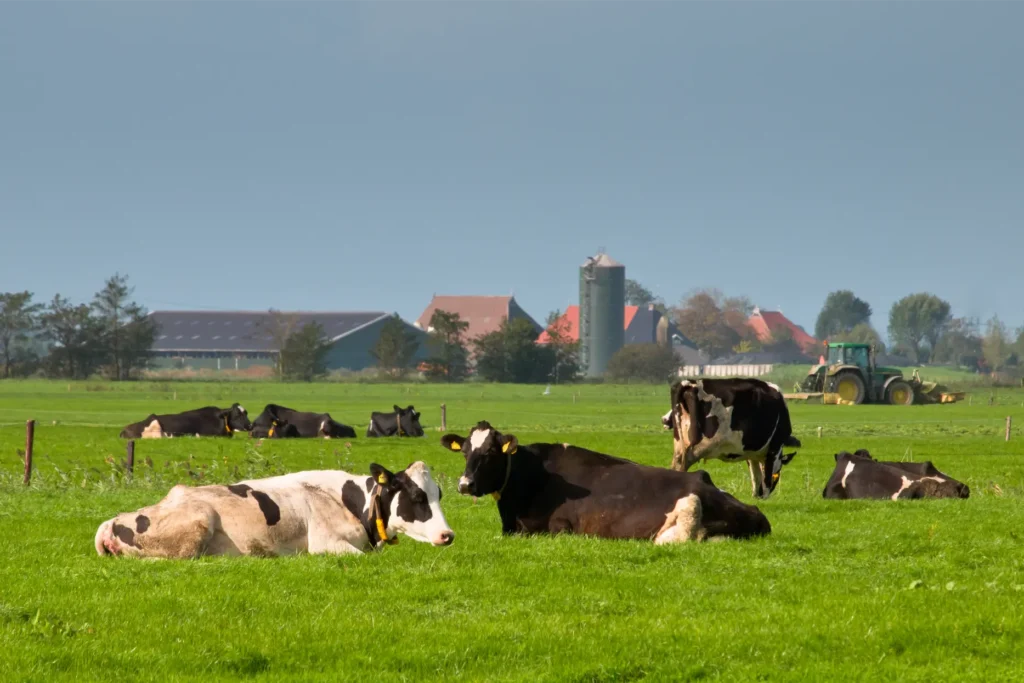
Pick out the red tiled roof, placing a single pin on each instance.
(572, 317)
(763, 322)
(483, 313)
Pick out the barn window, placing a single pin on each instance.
(178, 337)
(162, 336)
(195, 336)
(234, 336)
(216, 336)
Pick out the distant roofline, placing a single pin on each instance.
(364, 325)
(262, 312)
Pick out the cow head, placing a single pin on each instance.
(413, 501)
(236, 418)
(409, 421)
(488, 455)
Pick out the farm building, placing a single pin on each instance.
(233, 340)
(763, 322)
(483, 313)
(641, 325)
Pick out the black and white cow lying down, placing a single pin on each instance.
(279, 422)
(208, 421)
(858, 475)
(401, 422)
(558, 488)
(732, 419)
(322, 511)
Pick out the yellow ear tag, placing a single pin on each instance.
(504, 449)
(271, 432)
(775, 477)
(382, 479)
(455, 446)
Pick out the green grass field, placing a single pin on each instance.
(857, 590)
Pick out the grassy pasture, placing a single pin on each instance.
(924, 590)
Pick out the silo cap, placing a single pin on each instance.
(602, 261)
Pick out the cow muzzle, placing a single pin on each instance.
(446, 537)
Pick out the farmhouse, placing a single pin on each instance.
(242, 339)
(484, 314)
(765, 322)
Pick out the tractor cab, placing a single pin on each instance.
(850, 376)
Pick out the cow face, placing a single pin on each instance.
(415, 504)
(409, 421)
(488, 455)
(236, 418)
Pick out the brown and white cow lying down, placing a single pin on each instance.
(731, 419)
(858, 475)
(319, 511)
(558, 488)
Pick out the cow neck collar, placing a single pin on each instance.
(376, 517)
(227, 425)
(508, 475)
(398, 423)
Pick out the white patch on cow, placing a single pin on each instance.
(725, 441)
(666, 420)
(936, 479)
(903, 487)
(435, 530)
(463, 482)
(849, 469)
(323, 427)
(683, 523)
(241, 409)
(478, 438)
(152, 430)
(774, 386)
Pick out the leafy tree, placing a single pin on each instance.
(638, 295)
(76, 338)
(996, 347)
(960, 345)
(304, 353)
(395, 348)
(916, 319)
(449, 358)
(128, 334)
(861, 333)
(650, 363)
(842, 312)
(715, 323)
(280, 327)
(512, 354)
(566, 349)
(18, 319)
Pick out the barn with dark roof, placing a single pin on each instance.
(241, 339)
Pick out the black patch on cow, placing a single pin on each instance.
(126, 535)
(352, 497)
(369, 484)
(240, 490)
(271, 512)
(412, 503)
(141, 523)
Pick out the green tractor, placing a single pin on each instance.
(849, 376)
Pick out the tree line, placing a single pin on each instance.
(111, 335)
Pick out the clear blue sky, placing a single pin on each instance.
(337, 155)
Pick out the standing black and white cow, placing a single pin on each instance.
(555, 488)
(321, 511)
(732, 419)
(858, 475)
(208, 421)
(278, 421)
(401, 422)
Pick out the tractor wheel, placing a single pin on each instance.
(899, 393)
(850, 387)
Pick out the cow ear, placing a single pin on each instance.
(509, 444)
(452, 442)
(397, 409)
(224, 413)
(381, 474)
(787, 458)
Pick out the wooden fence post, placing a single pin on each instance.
(819, 432)
(30, 436)
(444, 417)
(1009, 423)
(131, 458)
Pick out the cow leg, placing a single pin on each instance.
(159, 531)
(756, 477)
(683, 523)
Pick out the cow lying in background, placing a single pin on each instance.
(858, 475)
(731, 419)
(402, 422)
(558, 488)
(323, 511)
(208, 421)
(281, 422)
